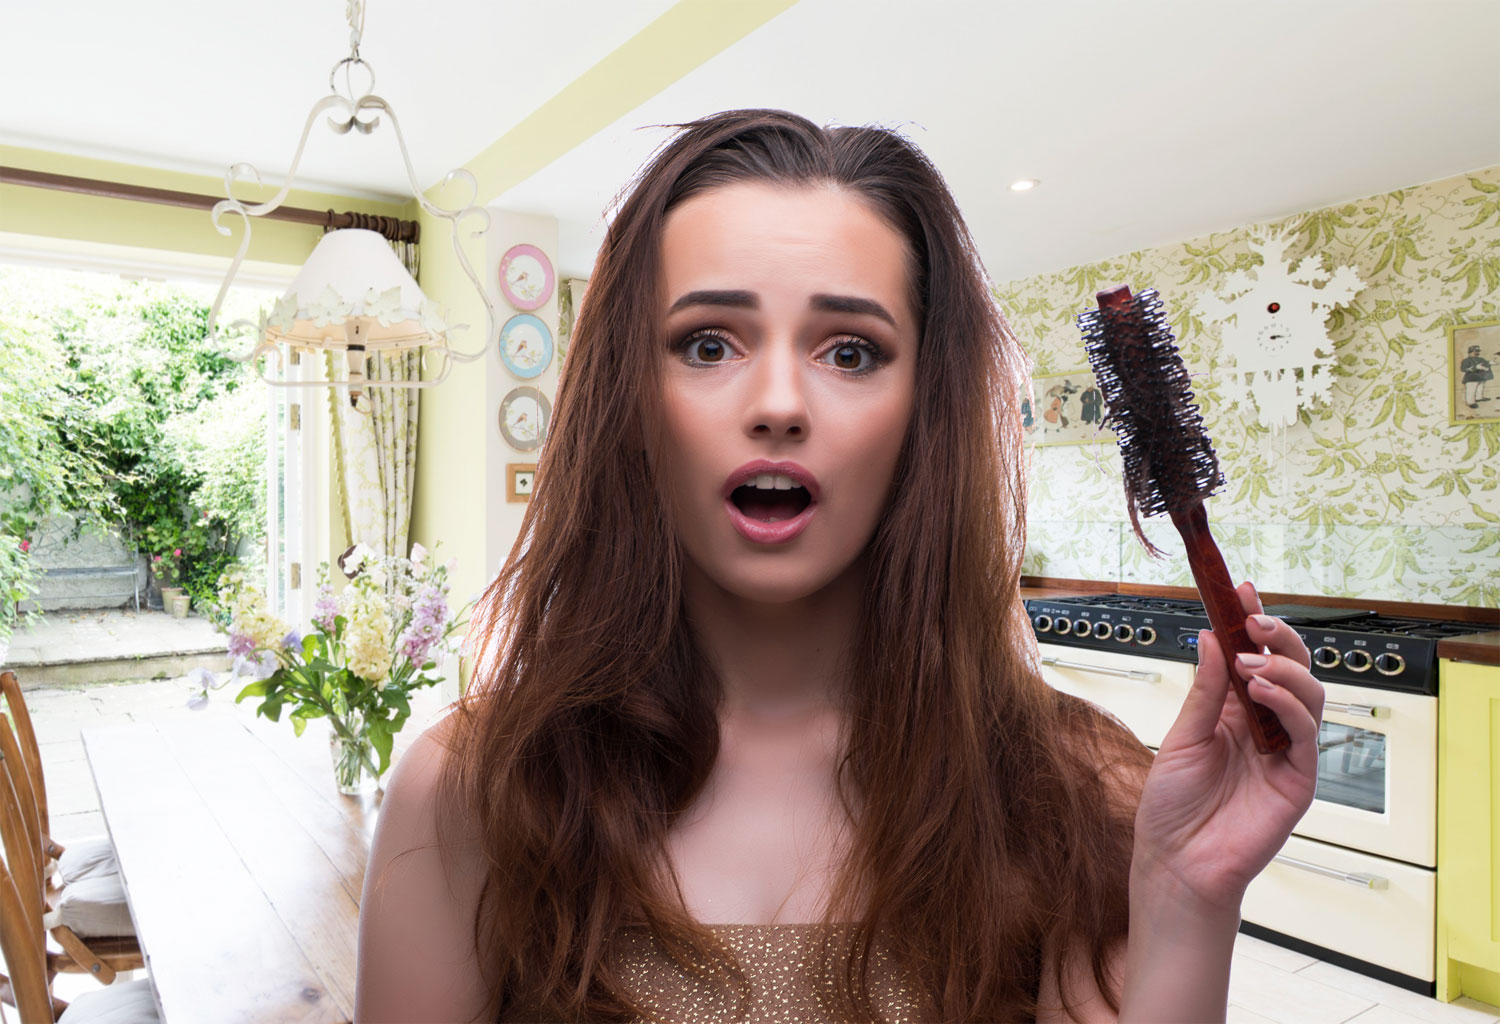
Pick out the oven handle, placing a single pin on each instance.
(1126, 673)
(1357, 710)
(1352, 877)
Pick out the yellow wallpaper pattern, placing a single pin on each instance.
(1374, 494)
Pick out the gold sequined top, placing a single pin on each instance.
(779, 961)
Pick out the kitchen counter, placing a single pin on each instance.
(1481, 648)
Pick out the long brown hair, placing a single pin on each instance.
(986, 825)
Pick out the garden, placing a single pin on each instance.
(119, 417)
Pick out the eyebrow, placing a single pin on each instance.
(749, 300)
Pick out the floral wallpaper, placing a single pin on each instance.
(1374, 493)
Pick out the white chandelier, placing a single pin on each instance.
(352, 295)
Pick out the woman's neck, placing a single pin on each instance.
(776, 661)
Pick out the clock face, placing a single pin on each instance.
(524, 416)
(1273, 340)
(526, 276)
(525, 346)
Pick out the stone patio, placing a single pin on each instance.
(112, 645)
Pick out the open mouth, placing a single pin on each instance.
(771, 498)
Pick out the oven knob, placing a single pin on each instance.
(1103, 630)
(1124, 632)
(1389, 664)
(1043, 623)
(1062, 625)
(1327, 657)
(1357, 660)
(1145, 636)
(1081, 627)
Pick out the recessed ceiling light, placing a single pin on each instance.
(1024, 185)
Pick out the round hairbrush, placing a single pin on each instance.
(1169, 463)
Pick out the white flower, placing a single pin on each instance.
(418, 556)
(203, 679)
(198, 701)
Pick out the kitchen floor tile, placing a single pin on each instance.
(1380, 1013)
(1270, 953)
(1474, 1004)
(1289, 998)
(1240, 1015)
(1414, 1006)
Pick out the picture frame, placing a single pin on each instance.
(520, 481)
(1473, 356)
(1064, 408)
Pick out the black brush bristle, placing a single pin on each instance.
(1168, 461)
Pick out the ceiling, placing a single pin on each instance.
(1146, 123)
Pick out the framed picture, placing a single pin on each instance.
(520, 479)
(1064, 408)
(1473, 354)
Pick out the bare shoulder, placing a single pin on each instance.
(416, 921)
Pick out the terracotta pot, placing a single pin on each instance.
(179, 605)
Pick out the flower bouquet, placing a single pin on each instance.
(369, 648)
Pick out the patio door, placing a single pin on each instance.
(291, 462)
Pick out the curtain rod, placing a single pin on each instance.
(391, 227)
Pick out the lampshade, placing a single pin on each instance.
(353, 290)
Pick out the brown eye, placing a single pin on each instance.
(705, 348)
(853, 357)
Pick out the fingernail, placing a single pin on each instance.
(1263, 683)
(1264, 621)
(1253, 660)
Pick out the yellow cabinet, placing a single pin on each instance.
(1468, 870)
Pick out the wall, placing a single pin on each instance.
(1374, 494)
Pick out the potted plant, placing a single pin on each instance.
(167, 569)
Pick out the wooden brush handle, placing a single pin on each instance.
(1227, 617)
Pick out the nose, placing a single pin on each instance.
(777, 405)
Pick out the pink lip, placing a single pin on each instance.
(783, 530)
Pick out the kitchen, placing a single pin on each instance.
(1361, 479)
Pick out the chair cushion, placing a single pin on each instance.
(92, 907)
(86, 858)
(124, 1002)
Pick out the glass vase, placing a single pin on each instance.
(353, 755)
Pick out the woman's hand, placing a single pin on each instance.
(1213, 811)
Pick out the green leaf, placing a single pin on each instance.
(257, 689)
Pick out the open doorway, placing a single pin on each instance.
(139, 459)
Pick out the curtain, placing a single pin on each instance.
(375, 452)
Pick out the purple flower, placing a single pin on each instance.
(292, 641)
(326, 610)
(240, 645)
(428, 614)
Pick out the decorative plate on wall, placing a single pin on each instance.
(526, 277)
(524, 416)
(525, 346)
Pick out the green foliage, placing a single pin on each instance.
(116, 410)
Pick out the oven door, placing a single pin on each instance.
(1377, 774)
(1144, 693)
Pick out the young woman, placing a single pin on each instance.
(758, 730)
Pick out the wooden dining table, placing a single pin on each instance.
(242, 863)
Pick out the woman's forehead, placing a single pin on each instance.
(760, 237)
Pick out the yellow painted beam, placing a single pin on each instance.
(686, 36)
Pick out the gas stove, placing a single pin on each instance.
(1348, 646)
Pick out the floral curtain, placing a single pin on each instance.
(375, 447)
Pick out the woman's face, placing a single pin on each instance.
(788, 383)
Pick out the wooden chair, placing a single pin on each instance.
(23, 944)
(29, 853)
